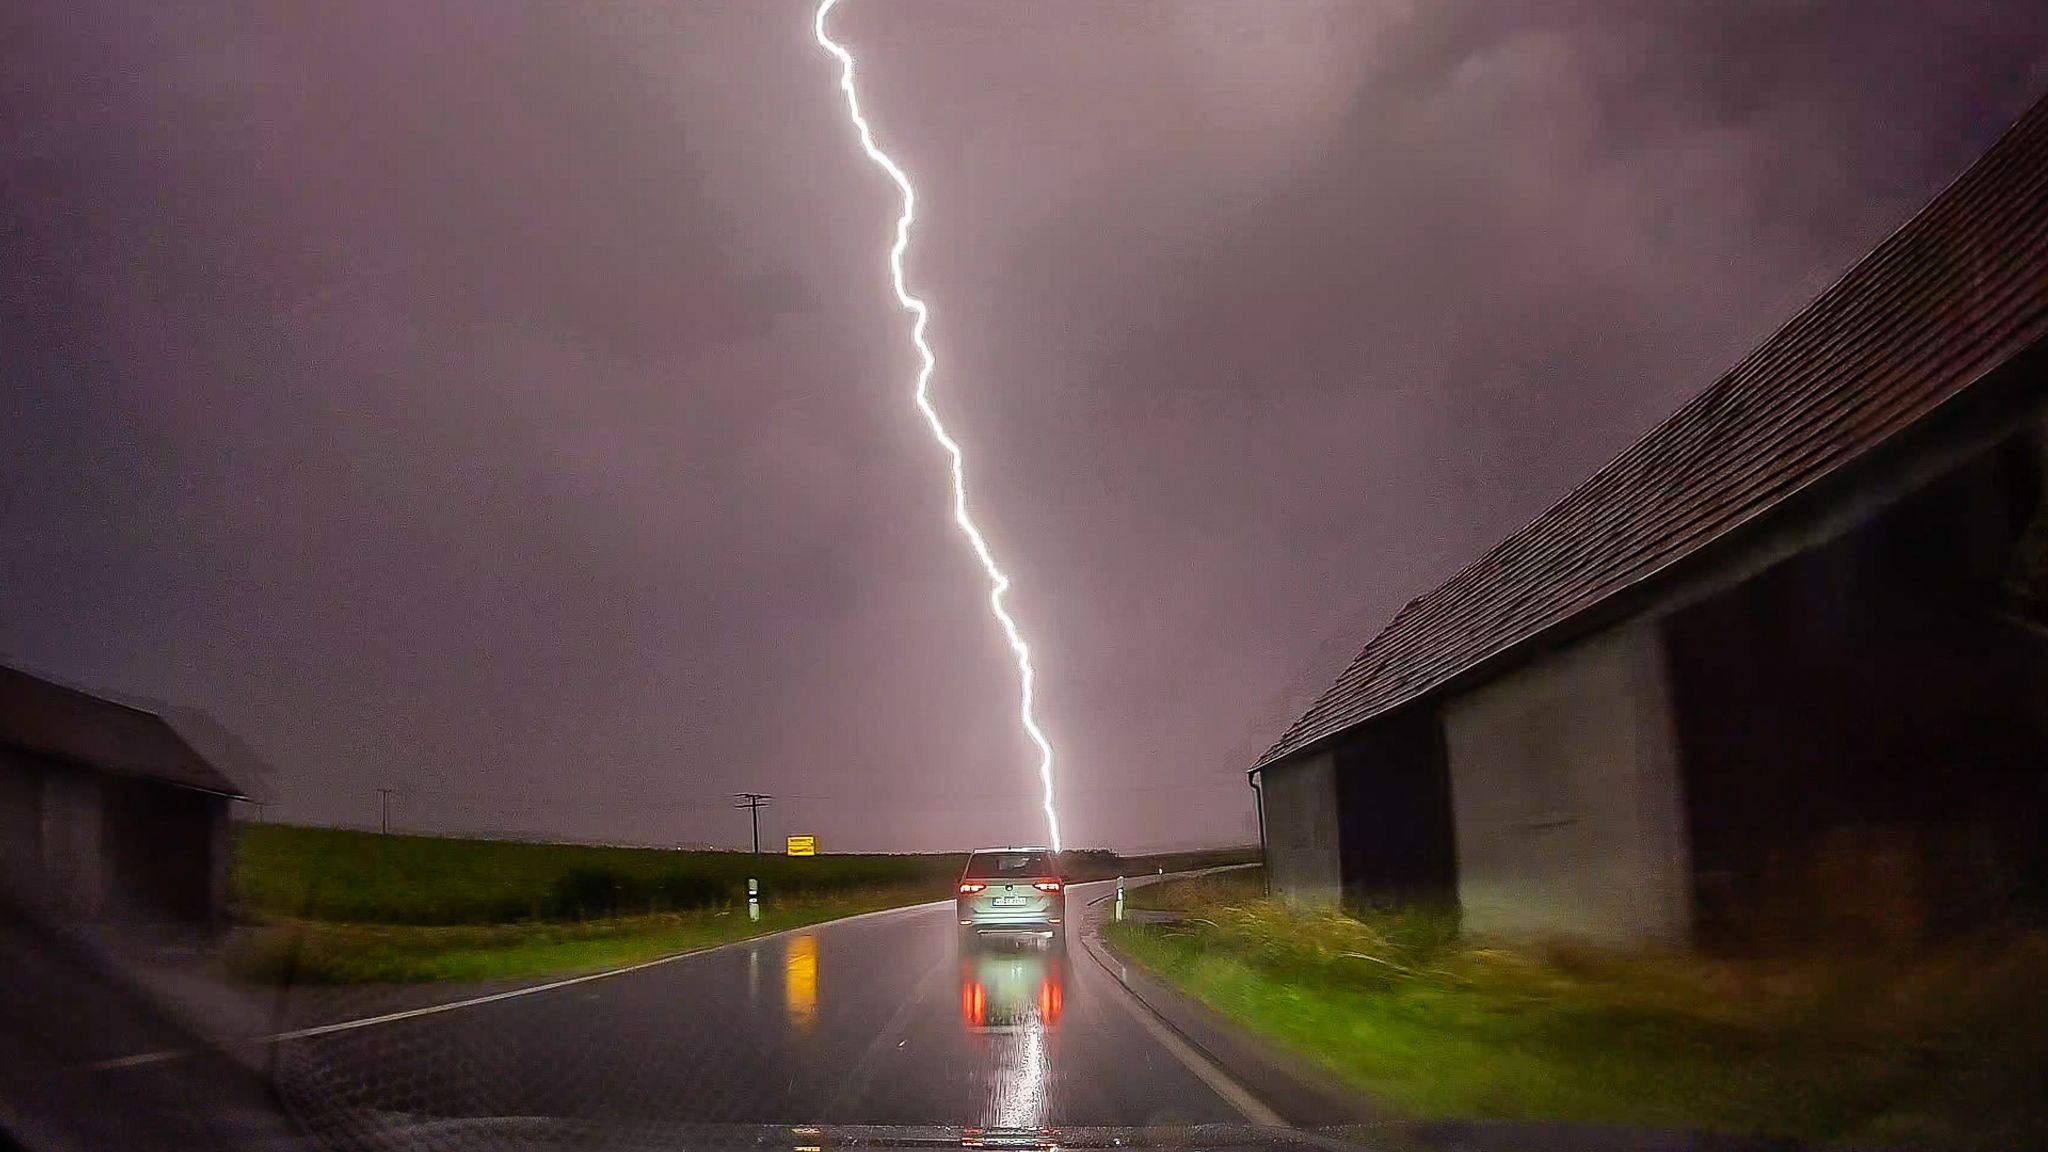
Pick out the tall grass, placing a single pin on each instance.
(1947, 1049)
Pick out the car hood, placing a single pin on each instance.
(541, 1134)
(545, 1133)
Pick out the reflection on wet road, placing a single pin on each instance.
(1017, 989)
(1010, 998)
(800, 967)
(879, 1020)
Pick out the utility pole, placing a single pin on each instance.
(384, 809)
(754, 802)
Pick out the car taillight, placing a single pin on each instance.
(968, 887)
(1047, 885)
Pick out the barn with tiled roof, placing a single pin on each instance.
(106, 812)
(1775, 673)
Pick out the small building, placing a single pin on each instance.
(105, 811)
(1776, 676)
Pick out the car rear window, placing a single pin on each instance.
(985, 865)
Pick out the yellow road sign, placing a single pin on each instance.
(803, 845)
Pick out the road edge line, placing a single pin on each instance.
(1161, 1029)
(570, 981)
(1289, 1082)
(1206, 1070)
(142, 1058)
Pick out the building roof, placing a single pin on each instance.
(1959, 290)
(40, 716)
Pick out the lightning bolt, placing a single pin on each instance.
(998, 580)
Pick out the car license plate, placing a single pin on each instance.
(1010, 901)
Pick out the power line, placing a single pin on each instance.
(1201, 790)
(754, 802)
(1231, 782)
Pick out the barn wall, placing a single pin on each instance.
(73, 859)
(1302, 861)
(220, 860)
(1566, 792)
(1395, 833)
(80, 844)
(159, 850)
(21, 830)
(1865, 724)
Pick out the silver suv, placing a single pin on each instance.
(1012, 890)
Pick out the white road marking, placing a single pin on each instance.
(144, 1058)
(137, 1060)
(1206, 1070)
(474, 1001)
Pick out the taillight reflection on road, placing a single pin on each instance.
(1011, 990)
(974, 1004)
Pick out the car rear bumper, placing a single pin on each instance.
(1004, 920)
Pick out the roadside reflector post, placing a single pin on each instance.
(1119, 899)
(753, 899)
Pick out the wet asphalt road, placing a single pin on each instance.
(878, 1020)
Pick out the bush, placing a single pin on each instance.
(345, 876)
(1085, 863)
(603, 893)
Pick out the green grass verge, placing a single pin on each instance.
(1944, 1051)
(334, 906)
(341, 875)
(337, 874)
(1190, 895)
(313, 952)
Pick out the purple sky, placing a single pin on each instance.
(505, 401)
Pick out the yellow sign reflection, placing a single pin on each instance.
(800, 980)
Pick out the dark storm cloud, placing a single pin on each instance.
(504, 400)
(1299, 376)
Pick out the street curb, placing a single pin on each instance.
(1305, 1095)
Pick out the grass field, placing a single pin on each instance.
(338, 906)
(1944, 1051)
(316, 952)
(336, 874)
